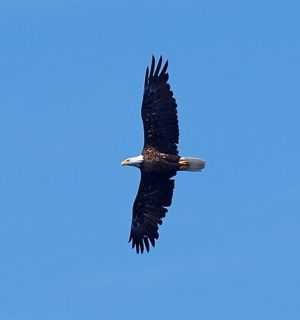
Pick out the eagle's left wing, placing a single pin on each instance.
(159, 111)
(149, 208)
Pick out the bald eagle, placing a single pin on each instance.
(159, 161)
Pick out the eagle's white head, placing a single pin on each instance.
(134, 161)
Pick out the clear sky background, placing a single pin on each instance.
(71, 81)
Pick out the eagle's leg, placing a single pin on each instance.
(183, 164)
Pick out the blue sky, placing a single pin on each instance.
(71, 78)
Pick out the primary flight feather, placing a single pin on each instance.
(159, 161)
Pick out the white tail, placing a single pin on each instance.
(191, 164)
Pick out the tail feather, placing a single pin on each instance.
(191, 164)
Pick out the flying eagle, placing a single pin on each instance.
(159, 161)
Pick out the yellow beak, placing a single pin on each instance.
(124, 163)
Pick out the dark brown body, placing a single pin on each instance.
(156, 162)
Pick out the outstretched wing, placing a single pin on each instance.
(149, 208)
(159, 111)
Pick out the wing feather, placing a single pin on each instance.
(149, 208)
(159, 110)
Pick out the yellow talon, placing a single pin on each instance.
(183, 164)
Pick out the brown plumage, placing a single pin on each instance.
(159, 161)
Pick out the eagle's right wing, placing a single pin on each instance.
(149, 208)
